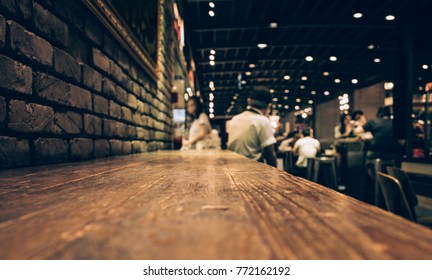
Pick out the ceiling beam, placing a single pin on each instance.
(344, 45)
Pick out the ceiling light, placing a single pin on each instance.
(425, 66)
(212, 63)
(211, 4)
(313, 92)
(333, 58)
(388, 85)
(243, 82)
(279, 105)
(286, 91)
(298, 100)
(285, 97)
(302, 87)
(371, 47)
(304, 78)
(252, 65)
(377, 60)
(390, 17)
(326, 93)
(287, 77)
(358, 15)
(211, 13)
(275, 99)
(337, 81)
(262, 45)
(310, 101)
(211, 104)
(272, 90)
(297, 107)
(211, 116)
(212, 52)
(248, 73)
(273, 25)
(309, 58)
(354, 81)
(286, 107)
(326, 73)
(211, 57)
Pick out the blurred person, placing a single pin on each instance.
(288, 144)
(199, 128)
(306, 147)
(359, 118)
(251, 131)
(345, 128)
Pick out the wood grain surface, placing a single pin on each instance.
(191, 205)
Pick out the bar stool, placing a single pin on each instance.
(318, 165)
(379, 165)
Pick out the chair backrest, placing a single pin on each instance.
(407, 187)
(394, 196)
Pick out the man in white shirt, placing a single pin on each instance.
(306, 147)
(251, 133)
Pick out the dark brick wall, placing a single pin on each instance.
(69, 91)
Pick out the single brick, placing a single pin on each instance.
(50, 25)
(66, 65)
(30, 117)
(108, 128)
(101, 148)
(2, 31)
(109, 88)
(2, 110)
(132, 101)
(15, 76)
(92, 78)
(14, 152)
(81, 148)
(115, 110)
(56, 90)
(67, 123)
(93, 30)
(92, 125)
(126, 114)
(21, 9)
(29, 45)
(101, 61)
(126, 148)
(100, 105)
(131, 131)
(140, 133)
(116, 147)
(121, 95)
(49, 150)
(136, 118)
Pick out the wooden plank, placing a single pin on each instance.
(192, 205)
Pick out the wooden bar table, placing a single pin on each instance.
(191, 205)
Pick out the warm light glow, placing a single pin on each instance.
(337, 81)
(309, 58)
(287, 77)
(286, 91)
(358, 15)
(304, 115)
(211, 4)
(371, 47)
(243, 82)
(313, 92)
(272, 90)
(388, 86)
(390, 17)
(273, 25)
(333, 58)
(248, 73)
(326, 93)
(211, 104)
(211, 57)
(310, 101)
(262, 45)
(212, 52)
(302, 87)
(212, 13)
(285, 97)
(212, 63)
(211, 116)
(297, 107)
(326, 73)
(354, 81)
(304, 78)
(425, 66)
(286, 107)
(377, 60)
(252, 65)
(298, 100)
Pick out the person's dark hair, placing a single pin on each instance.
(355, 113)
(383, 112)
(342, 128)
(306, 132)
(199, 106)
(260, 98)
(292, 134)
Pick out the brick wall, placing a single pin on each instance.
(68, 91)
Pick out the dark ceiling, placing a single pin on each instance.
(366, 48)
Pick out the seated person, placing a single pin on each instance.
(288, 144)
(306, 147)
(344, 129)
